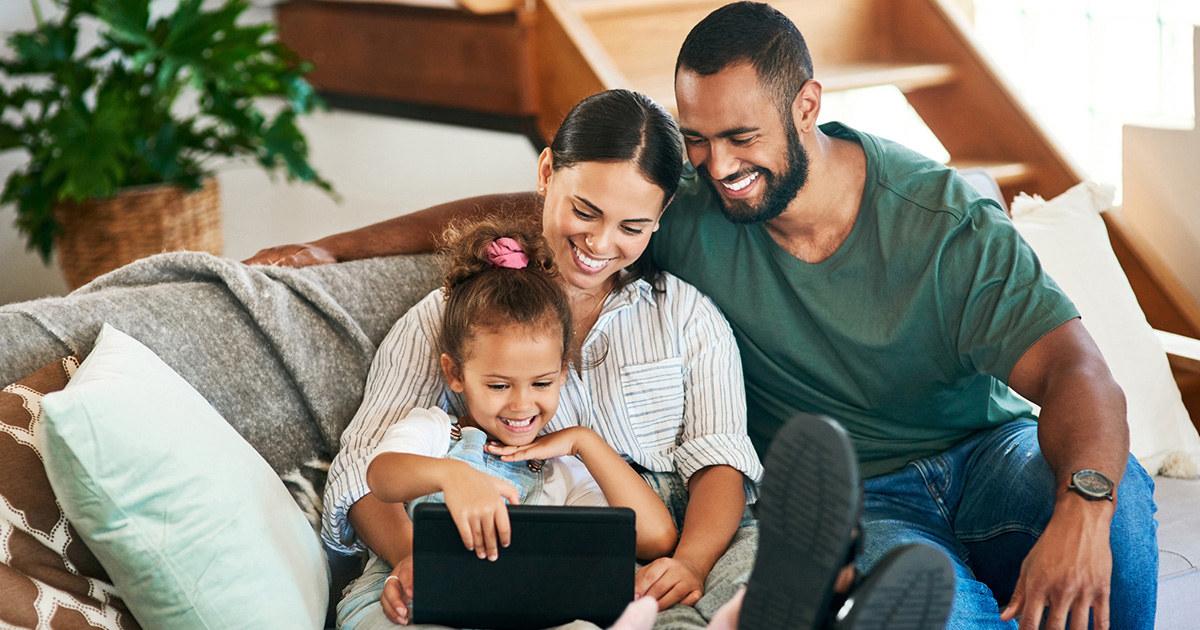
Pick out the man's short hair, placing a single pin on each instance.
(751, 32)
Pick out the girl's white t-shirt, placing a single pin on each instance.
(566, 481)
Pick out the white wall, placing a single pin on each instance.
(1161, 171)
(381, 166)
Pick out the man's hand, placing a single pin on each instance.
(476, 503)
(670, 581)
(1069, 570)
(397, 593)
(298, 255)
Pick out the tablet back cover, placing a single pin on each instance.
(564, 563)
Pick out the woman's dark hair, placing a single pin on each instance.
(756, 33)
(479, 294)
(624, 126)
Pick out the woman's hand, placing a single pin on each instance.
(397, 593)
(476, 503)
(298, 255)
(670, 581)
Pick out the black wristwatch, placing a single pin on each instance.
(1093, 485)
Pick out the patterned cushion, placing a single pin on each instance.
(48, 577)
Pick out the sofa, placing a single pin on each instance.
(281, 356)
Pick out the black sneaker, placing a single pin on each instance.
(911, 588)
(808, 510)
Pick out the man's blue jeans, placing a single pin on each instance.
(985, 502)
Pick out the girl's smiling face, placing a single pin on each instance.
(597, 218)
(510, 378)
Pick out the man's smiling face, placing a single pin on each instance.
(739, 143)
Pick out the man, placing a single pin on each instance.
(868, 283)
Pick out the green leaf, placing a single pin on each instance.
(128, 20)
(43, 50)
(35, 210)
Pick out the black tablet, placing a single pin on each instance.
(564, 563)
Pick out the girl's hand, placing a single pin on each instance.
(476, 502)
(558, 444)
(397, 593)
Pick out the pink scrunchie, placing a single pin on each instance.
(506, 252)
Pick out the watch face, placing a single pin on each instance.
(1093, 483)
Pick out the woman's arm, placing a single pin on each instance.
(714, 456)
(412, 233)
(622, 487)
(715, 507)
(404, 374)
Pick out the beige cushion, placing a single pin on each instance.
(1070, 239)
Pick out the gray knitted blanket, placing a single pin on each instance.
(281, 353)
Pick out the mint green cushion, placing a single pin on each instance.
(192, 525)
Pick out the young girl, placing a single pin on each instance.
(504, 342)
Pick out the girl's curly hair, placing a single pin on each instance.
(479, 294)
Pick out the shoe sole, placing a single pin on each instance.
(912, 588)
(809, 505)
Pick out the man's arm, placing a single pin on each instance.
(1081, 426)
(412, 233)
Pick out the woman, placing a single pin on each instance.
(655, 370)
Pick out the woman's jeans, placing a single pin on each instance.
(985, 502)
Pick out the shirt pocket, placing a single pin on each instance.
(654, 400)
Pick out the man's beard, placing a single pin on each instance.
(779, 190)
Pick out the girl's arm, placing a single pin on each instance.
(622, 487)
(475, 499)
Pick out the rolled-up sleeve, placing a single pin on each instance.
(714, 422)
(404, 374)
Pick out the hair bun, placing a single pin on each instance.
(507, 253)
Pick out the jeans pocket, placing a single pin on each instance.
(654, 399)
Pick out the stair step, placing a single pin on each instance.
(834, 78)
(905, 76)
(1006, 174)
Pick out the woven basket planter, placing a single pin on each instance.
(100, 235)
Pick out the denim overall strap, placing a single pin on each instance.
(467, 446)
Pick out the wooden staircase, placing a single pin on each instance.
(539, 58)
(918, 46)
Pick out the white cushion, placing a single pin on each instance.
(192, 525)
(1069, 237)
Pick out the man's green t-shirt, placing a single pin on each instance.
(905, 334)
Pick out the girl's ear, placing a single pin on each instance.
(452, 373)
(545, 169)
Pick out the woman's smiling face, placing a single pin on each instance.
(598, 218)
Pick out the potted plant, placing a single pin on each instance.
(122, 136)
